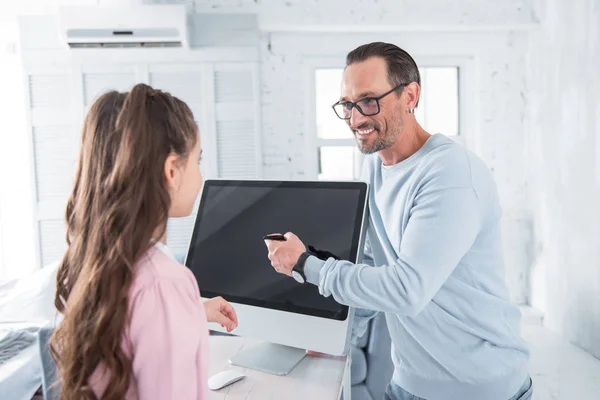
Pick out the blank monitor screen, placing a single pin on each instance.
(227, 253)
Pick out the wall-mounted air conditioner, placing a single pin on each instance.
(124, 26)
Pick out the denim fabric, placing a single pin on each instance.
(395, 392)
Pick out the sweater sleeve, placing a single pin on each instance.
(166, 334)
(361, 315)
(442, 227)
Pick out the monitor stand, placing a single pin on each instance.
(272, 358)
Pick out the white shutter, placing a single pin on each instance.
(179, 234)
(99, 79)
(57, 97)
(52, 240)
(95, 84)
(54, 164)
(237, 125)
(235, 85)
(223, 96)
(237, 148)
(50, 95)
(186, 82)
(48, 90)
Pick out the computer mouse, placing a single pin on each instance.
(224, 378)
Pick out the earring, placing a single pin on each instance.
(411, 110)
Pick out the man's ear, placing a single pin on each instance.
(412, 95)
(171, 172)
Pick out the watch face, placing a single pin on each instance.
(296, 275)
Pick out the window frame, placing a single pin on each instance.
(466, 105)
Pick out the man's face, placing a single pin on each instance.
(370, 79)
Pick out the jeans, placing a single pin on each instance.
(395, 392)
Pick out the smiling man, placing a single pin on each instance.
(433, 255)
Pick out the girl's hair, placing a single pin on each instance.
(119, 204)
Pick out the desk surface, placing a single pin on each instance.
(316, 377)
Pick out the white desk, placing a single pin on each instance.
(316, 377)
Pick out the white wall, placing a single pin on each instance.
(491, 36)
(563, 147)
(497, 115)
(378, 15)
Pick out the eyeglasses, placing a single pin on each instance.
(368, 106)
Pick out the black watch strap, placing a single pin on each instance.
(299, 266)
(321, 254)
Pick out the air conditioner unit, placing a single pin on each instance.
(124, 26)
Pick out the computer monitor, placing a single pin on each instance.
(228, 257)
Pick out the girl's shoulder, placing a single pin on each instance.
(156, 267)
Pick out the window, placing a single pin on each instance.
(438, 104)
(338, 156)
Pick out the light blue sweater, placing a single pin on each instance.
(433, 265)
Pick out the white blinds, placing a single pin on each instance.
(229, 129)
(223, 97)
(50, 101)
(187, 82)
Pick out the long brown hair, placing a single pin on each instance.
(118, 205)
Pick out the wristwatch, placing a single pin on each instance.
(298, 270)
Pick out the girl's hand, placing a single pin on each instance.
(220, 311)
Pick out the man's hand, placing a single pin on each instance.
(285, 254)
(220, 311)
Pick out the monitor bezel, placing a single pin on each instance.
(355, 251)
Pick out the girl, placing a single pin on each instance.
(134, 325)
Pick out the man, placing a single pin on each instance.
(433, 255)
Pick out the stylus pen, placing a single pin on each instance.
(278, 237)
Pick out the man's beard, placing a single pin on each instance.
(381, 142)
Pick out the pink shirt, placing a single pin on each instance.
(167, 335)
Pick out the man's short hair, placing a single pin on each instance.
(402, 68)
